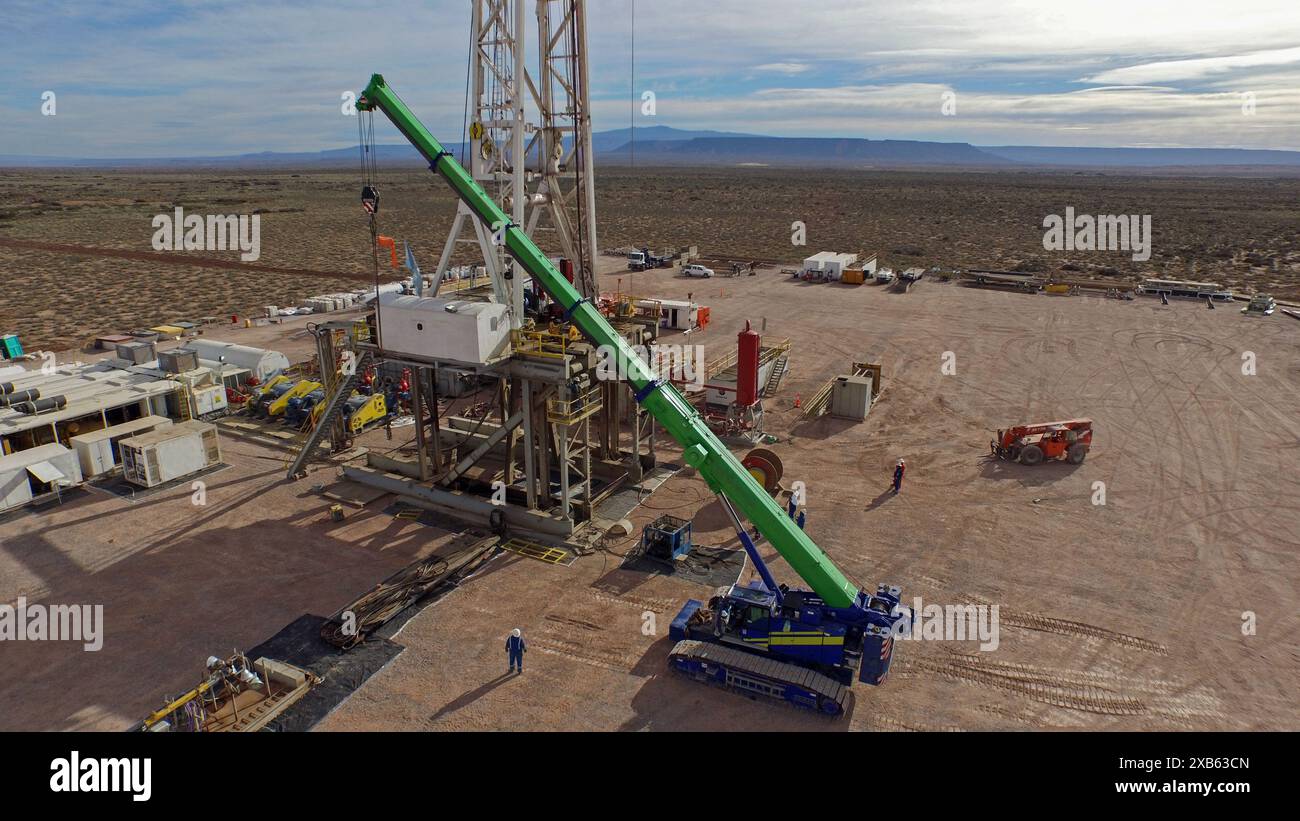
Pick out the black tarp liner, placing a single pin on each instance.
(709, 566)
(343, 672)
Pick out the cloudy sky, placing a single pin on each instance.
(186, 78)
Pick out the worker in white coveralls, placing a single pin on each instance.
(515, 648)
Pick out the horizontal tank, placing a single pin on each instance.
(261, 362)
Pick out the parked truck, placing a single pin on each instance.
(643, 260)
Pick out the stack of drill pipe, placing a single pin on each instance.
(817, 404)
(401, 590)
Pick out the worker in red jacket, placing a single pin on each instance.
(898, 475)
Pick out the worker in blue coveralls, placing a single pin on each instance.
(898, 475)
(515, 648)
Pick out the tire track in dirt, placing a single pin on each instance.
(588, 653)
(1027, 620)
(1188, 509)
(1047, 688)
(1083, 691)
(1157, 433)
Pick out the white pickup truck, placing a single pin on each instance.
(696, 271)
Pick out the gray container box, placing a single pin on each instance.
(851, 397)
(179, 360)
(137, 353)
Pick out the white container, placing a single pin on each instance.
(97, 450)
(673, 313)
(829, 263)
(36, 471)
(448, 330)
(172, 453)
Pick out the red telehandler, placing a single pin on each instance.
(1030, 444)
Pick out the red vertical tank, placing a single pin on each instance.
(747, 366)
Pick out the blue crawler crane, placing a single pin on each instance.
(769, 640)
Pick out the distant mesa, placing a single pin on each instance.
(664, 145)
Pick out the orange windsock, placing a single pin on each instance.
(391, 245)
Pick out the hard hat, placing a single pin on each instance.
(516, 633)
(900, 461)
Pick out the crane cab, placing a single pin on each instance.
(797, 627)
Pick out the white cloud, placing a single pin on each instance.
(1170, 71)
(252, 75)
(785, 68)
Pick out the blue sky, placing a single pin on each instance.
(185, 78)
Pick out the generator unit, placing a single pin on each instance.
(97, 450)
(163, 455)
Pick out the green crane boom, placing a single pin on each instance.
(702, 450)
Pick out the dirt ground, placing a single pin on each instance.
(1126, 615)
(68, 238)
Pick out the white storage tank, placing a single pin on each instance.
(36, 471)
(97, 450)
(449, 330)
(261, 362)
(181, 450)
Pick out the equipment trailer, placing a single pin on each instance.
(787, 643)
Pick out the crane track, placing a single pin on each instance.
(755, 675)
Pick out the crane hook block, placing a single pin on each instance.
(370, 199)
